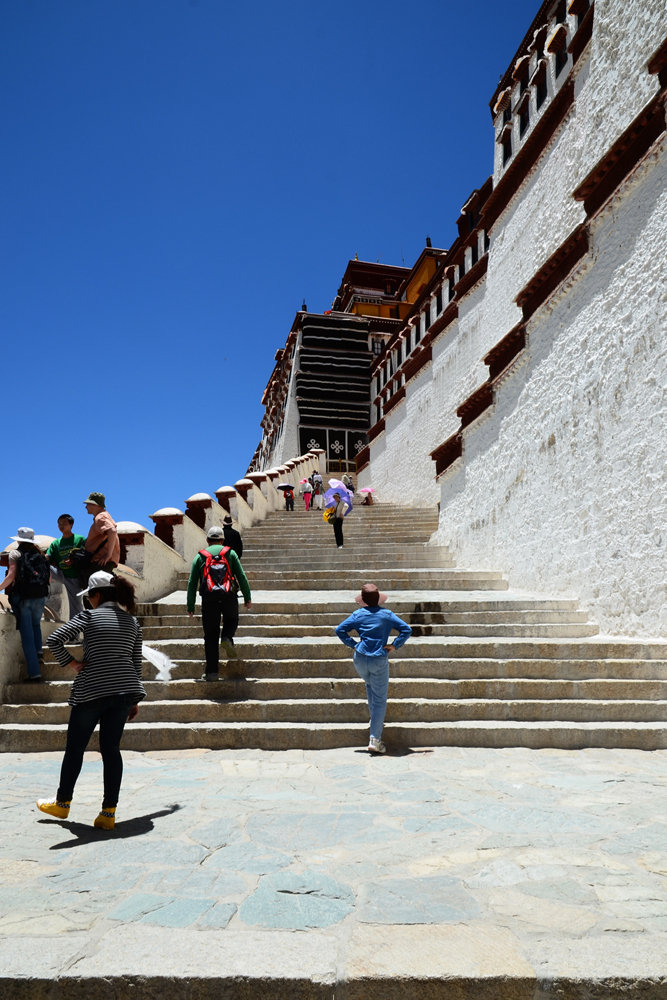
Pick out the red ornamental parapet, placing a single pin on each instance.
(196, 507)
(224, 495)
(165, 521)
(243, 487)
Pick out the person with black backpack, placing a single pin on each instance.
(27, 584)
(217, 573)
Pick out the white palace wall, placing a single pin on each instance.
(561, 484)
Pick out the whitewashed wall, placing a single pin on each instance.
(562, 485)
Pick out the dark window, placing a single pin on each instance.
(475, 253)
(451, 288)
(524, 117)
(507, 115)
(378, 413)
(438, 302)
(560, 12)
(408, 342)
(462, 266)
(377, 346)
(418, 331)
(427, 318)
(399, 353)
(561, 60)
(487, 242)
(541, 90)
(582, 13)
(507, 149)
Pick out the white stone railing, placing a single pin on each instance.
(153, 561)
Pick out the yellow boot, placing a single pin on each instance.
(106, 819)
(53, 807)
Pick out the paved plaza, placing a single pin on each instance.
(434, 873)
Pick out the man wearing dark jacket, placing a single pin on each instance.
(232, 536)
(217, 605)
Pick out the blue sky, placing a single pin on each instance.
(177, 176)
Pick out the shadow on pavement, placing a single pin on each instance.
(395, 752)
(85, 834)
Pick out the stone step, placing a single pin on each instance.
(288, 735)
(547, 630)
(255, 618)
(477, 608)
(393, 578)
(186, 672)
(330, 560)
(426, 688)
(355, 710)
(427, 647)
(484, 667)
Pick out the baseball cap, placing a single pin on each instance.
(98, 581)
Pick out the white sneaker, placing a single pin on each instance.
(376, 746)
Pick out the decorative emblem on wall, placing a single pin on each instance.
(358, 445)
(337, 447)
(313, 444)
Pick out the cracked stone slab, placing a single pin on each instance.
(310, 899)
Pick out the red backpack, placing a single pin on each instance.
(217, 577)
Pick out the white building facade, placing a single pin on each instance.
(531, 402)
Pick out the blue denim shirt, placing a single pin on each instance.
(373, 626)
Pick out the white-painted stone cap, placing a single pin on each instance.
(199, 496)
(166, 510)
(130, 526)
(41, 541)
(244, 482)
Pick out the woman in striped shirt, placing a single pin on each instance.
(106, 689)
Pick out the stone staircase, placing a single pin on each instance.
(484, 667)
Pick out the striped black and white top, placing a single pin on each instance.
(111, 652)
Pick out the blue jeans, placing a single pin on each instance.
(374, 671)
(111, 713)
(29, 611)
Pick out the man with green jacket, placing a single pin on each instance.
(217, 573)
(59, 555)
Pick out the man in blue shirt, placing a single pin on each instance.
(371, 653)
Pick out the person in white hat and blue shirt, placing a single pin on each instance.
(28, 576)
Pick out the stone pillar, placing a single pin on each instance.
(320, 461)
(180, 532)
(154, 565)
(235, 504)
(204, 511)
(259, 503)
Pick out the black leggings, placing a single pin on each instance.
(111, 713)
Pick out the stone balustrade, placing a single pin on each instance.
(153, 560)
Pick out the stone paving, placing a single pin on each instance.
(432, 873)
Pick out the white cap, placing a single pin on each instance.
(98, 581)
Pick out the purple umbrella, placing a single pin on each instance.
(344, 495)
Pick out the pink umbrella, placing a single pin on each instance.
(302, 481)
(367, 489)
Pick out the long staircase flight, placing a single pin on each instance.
(484, 667)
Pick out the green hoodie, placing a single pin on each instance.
(198, 566)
